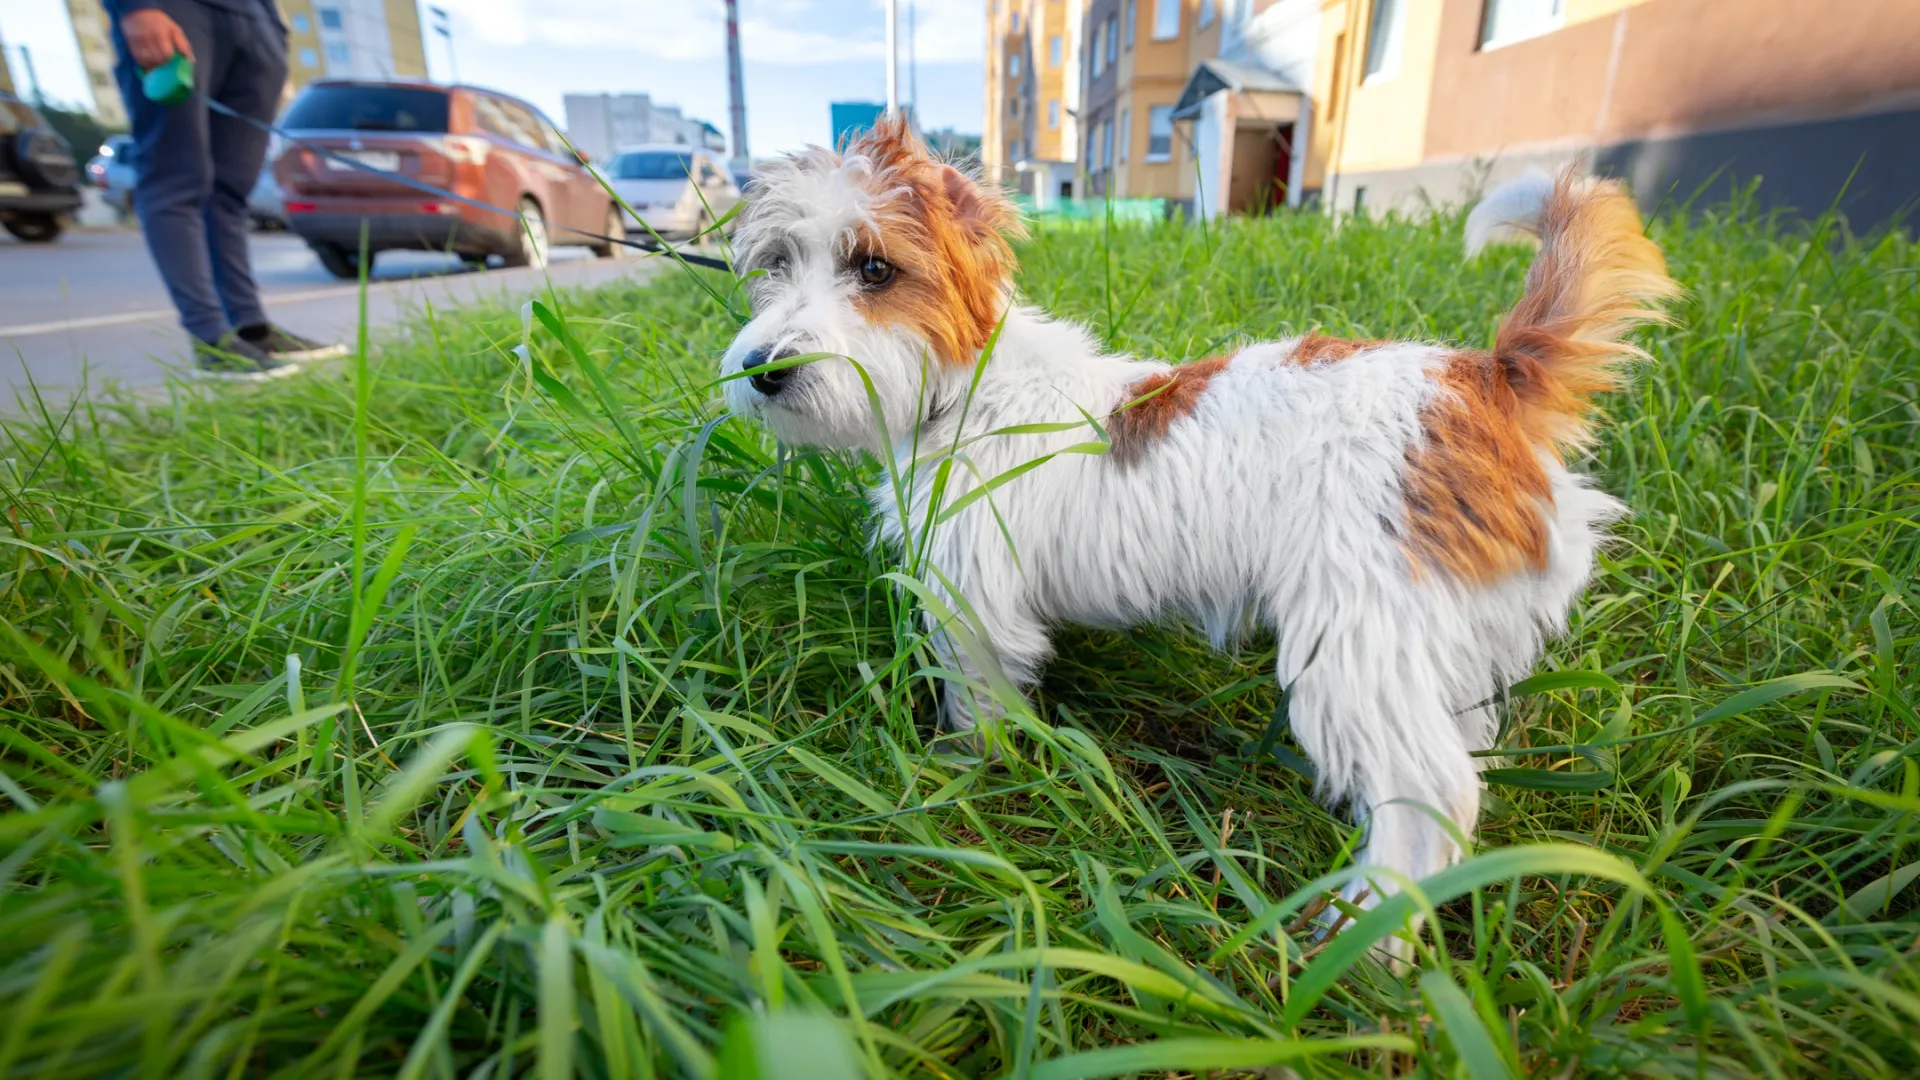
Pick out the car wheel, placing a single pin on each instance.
(533, 247)
(340, 262)
(36, 228)
(43, 159)
(616, 228)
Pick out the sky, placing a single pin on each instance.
(800, 56)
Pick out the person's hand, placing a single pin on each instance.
(153, 37)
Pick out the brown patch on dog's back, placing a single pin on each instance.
(1475, 488)
(1319, 349)
(1152, 405)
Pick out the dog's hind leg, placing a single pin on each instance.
(1371, 710)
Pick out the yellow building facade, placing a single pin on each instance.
(1236, 106)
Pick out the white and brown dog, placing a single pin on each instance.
(1400, 514)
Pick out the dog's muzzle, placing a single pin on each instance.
(769, 382)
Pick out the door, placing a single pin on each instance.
(1250, 183)
(586, 200)
(1282, 166)
(549, 173)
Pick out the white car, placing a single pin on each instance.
(678, 191)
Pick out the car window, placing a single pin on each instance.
(368, 108)
(533, 132)
(16, 116)
(509, 120)
(650, 165)
(555, 141)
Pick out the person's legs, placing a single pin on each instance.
(176, 173)
(256, 72)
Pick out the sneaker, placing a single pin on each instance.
(282, 345)
(235, 357)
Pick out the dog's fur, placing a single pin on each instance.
(1399, 513)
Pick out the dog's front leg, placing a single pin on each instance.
(996, 646)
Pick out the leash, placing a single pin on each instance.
(648, 245)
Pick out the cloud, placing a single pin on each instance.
(801, 32)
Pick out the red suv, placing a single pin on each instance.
(475, 143)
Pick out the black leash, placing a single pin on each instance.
(648, 245)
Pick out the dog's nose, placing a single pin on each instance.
(768, 382)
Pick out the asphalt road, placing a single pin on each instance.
(91, 307)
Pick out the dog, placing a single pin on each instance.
(1400, 514)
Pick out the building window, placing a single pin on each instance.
(1166, 19)
(300, 24)
(1013, 150)
(1383, 38)
(338, 54)
(1013, 65)
(309, 58)
(1098, 149)
(1053, 51)
(1160, 133)
(1016, 22)
(1125, 134)
(1113, 40)
(1206, 13)
(1053, 113)
(330, 19)
(1132, 13)
(1508, 21)
(1106, 152)
(1098, 51)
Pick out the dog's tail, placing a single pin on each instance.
(1509, 212)
(1597, 276)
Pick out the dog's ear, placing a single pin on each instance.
(889, 143)
(981, 212)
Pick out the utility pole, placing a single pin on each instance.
(736, 89)
(893, 56)
(33, 78)
(913, 64)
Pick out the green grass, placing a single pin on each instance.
(454, 716)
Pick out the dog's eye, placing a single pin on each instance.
(875, 271)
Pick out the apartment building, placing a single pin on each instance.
(600, 124)
(1138, 54)
(1201, 102)
(352, 39)
(94, 35)
(1238, 106)
(1678, 96)
(1031, 137)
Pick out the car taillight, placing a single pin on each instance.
(439, 208)
(301, 207)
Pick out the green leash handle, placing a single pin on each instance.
(171, 83)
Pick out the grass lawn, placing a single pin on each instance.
(473, 713)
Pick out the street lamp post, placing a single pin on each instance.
(443, 26)
(893, 56)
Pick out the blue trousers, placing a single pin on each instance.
(196, 167)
